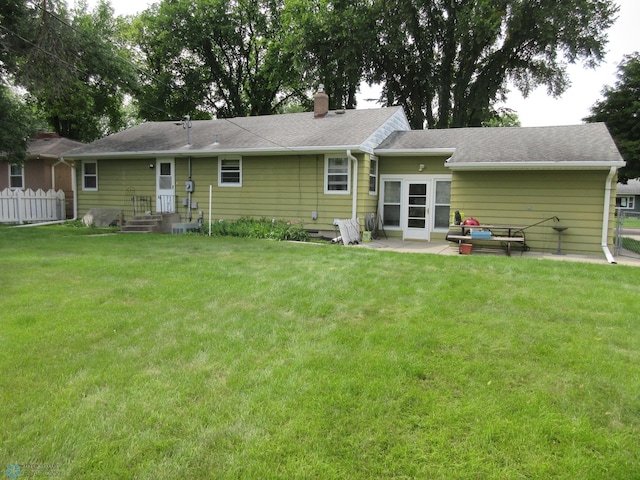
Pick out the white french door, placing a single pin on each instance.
(416, 205)
(165, 186)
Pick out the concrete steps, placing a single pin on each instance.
(143, 224)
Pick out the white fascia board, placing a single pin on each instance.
(533, 165)
(222, 151)
(415, 152)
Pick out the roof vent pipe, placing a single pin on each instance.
(320, 103)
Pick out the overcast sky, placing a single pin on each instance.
(538, 109)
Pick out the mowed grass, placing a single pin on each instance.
(167, 356)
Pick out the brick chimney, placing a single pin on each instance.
(46, 135)
(320, 103)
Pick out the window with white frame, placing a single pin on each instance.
(373, 176)
(230, 172)
(625, 203)
(391, 203)
(337, 175)
(90, 175)
(16, 176)
(442, 206)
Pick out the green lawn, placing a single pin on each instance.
(170, 357)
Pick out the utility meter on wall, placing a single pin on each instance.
(188, 186)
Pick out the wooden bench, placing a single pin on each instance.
(505, 241)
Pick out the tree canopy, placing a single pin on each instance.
(215, 57)
(447, 62)
(620, 110)
(71, 63)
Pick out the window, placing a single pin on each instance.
(230, 172)
(626, 203)
(391, 198)
(337, 175)
(90, 175)
(442, 204)
(16, 176)
(373, 176)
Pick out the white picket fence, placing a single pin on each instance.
(20, 206)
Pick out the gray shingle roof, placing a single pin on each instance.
(632, 187)
(298, 131)
(513, 145)
(51, 147)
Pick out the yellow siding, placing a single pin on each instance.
(525, 198)
(285, 188)
(115, 178)
(411, 165)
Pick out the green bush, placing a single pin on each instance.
(262, 228)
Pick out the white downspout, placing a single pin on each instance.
(354, 208)
(605, 216)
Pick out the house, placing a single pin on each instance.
(328, 165)
(43, 169)
(628, 197)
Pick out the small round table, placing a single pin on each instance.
(559, 230)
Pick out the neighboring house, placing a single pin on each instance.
(44, 168)
(628, 196)
(328, 165)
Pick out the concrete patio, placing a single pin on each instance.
(625, 257)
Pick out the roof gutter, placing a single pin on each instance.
(416, 152)
(534, 165)
(608, 186)
(354, 207)
(218, 151)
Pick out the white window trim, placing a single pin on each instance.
(84, 188)
(632, 202)
(326, 175)
(437, 179)
(12, 176)
(431, 179)
(229, 184)
(390, 178)
(374, 175)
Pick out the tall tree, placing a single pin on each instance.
(72, 64)
(449, 61)
(620, 110)
(17, 126)
(215, 57)
(330, 39)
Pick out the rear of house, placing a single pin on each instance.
(519, 177)
(314, 168)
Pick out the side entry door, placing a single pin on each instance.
(166, 186)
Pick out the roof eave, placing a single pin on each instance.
(469, 166)
(219, 151)
(415, 152)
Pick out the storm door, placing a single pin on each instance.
(165, 186)
(416, 210)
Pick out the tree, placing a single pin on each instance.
(329, 40)
(215, 57)
(448, 61)
(503, 117)
(17, 126)
(620, 110)
(73, 66)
